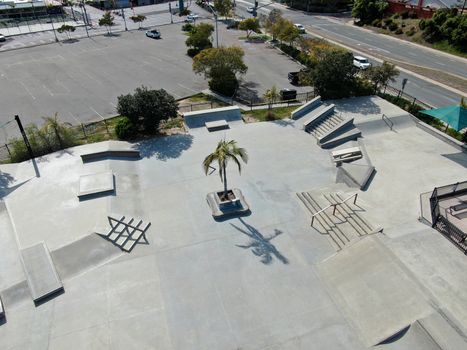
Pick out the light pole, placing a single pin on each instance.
(85, 17)
(53, 28)
(124, 19)
(215, 18)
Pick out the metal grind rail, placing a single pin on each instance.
(354, 196)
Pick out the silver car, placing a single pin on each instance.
(2, 38)
(154, 33)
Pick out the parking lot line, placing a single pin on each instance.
(26, 88)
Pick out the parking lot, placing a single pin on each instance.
(82, 80)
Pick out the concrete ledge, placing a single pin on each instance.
(216, 125)
(42, 278)
(2, 311)
(110, 149)
(198, 119)
(93, 184)
(350, 135)
(306, 108)
(442, 136)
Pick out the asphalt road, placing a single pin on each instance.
(351, 35)
(82, 80)
(332, 28)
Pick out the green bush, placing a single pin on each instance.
(125, 129)
(387, 21)
(192, 52)
(422, 24)
(226, 86)
(410, 32)
(405, 15)
(187, 27)
(376, 23)
(393, 26)
(398, 31)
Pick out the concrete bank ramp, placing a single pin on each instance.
(373, 290)
(377, 124)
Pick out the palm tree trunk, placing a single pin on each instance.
(225, 181)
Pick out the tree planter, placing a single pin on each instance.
(221, 207)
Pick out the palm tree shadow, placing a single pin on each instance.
(261, 246)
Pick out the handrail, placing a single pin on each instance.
(334, 205)
(389, 122)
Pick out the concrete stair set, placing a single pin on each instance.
(345, 226)
(329, 128)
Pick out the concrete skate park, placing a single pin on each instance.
(371, 274)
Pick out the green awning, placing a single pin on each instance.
(455, 116)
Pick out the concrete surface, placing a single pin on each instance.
(255, 282)
(99, 183)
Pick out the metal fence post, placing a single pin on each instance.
(84, 130)
(8, 150)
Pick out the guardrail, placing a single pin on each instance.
(355, 195)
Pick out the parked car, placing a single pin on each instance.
(2, 37)
(294, 77)
(288, 94)
(153, 33)
(191, 18)
(300, 27)
(250, 9)
(361, 62)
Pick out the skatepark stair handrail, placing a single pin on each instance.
(388, 121)
(354, 196)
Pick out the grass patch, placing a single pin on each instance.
(263, 115)
(446, 47)
(201, 98)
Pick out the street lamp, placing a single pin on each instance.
(215, 17)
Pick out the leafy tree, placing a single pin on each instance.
(273, 22)
(271, 95)
(107, 20)
(138, 19)
(221, 65)
(250, 25)
(67, 29)
(147, 108)
(125, 129)
(225, 151)
(368, 10)
(288, 32)
(381, 75)
(223, 7)
(199, 38)
(334, 75)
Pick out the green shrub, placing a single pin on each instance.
(395, 16)
(387, 21)
(422, 24)
(405, 15)
(192, 52)
(226, 86)
(393, 26)
(376, 23)
(410, 32)
(187, 27)
(125, 129)
(398, 31)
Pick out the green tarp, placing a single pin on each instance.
(455, 116)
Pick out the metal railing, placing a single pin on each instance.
(388, 121)
(355, 195)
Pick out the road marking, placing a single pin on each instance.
(66, 88)
(186, 87)
(74, 117)
(92, 109)
(48, 90)
(29, 92)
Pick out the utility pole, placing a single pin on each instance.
(124, 19)
(215, 18)
(25, 137)
(53, 28)
(170, 10)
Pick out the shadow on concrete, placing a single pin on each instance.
(460, 158)
(246, 91)
(260, 245)
(284, 122)
(396, 336)
(164, 148)
(70, 41)
(362, 105)
(49, 297)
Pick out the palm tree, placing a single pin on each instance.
(225, 151)
(53, 124)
